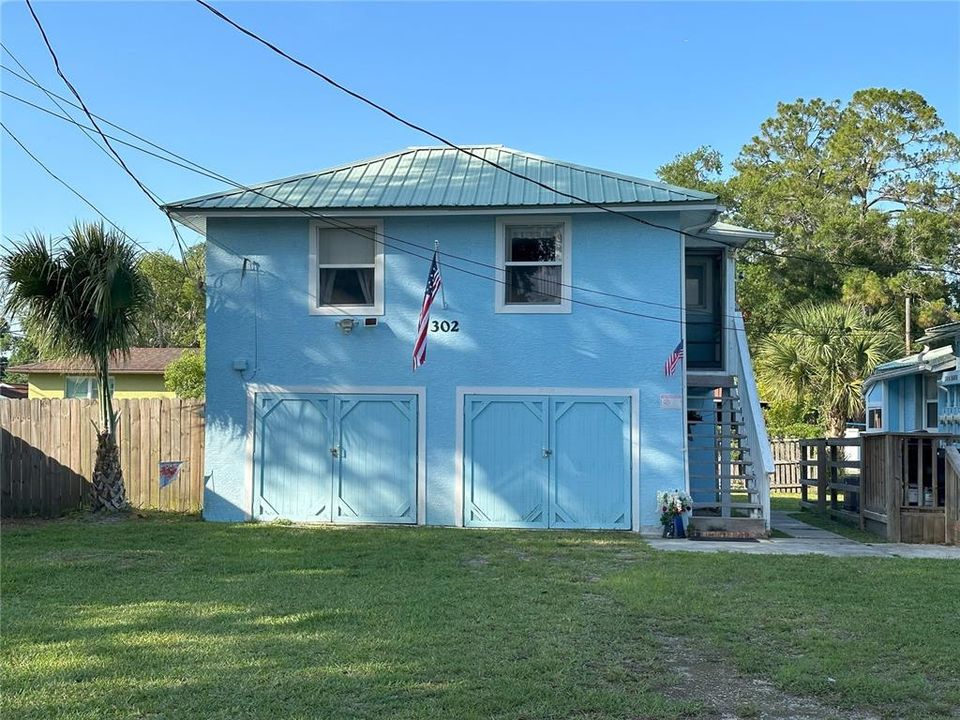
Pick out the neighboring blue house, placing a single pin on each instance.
(542, 403)
(919, 392)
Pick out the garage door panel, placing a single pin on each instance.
(506, 471)
(547, 461)
(590, 472)
(294, 467)
(377, 474)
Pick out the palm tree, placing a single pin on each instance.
(80, 299)
(824, 352)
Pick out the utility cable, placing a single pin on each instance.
(463, 150)
(69, 187)
(365, 232)
(764, 251)
(337, 222)
(56, 62)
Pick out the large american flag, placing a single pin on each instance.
(434, 281)
(670, 366)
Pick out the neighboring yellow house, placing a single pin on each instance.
(138, 376)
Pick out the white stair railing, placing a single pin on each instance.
(754, 425)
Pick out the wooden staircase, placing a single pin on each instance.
(723, 481)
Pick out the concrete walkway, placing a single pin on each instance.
(804, 540)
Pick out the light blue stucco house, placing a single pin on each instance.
(920, 392)
(544, 402)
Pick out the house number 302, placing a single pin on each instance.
(445, 326)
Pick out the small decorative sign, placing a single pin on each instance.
(671, 402)
(169, 472)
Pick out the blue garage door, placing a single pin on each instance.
(538, 461)
(339, 458)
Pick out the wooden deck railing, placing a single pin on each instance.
(951, 509)
(824, 465)
(911, 486)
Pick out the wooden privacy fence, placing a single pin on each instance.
(48, 448)
(786, 463)
(825, 466)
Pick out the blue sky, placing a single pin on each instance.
(620, 86)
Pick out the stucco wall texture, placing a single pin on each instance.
(262, 317)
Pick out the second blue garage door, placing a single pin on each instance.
(547, 461)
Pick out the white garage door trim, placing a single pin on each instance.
(632, 393)
(419, 391)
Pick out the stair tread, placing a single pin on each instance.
(737, 505)
(723, 476)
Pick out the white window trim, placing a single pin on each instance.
(883, 413)
(564, 306)
(878, 402)
(313, 272)
(925, 401)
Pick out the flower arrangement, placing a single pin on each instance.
(673, 503)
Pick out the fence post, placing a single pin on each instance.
(821, 476)
(893, 486)
(863, 478)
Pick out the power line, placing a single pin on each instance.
(69, 187)
(192, 166)
(337, 222)
(83, 106)
(106, 122)
(363, 231)
(764, 251)
(459, 148)
(56, 62)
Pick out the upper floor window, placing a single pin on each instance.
(346, 268)
(533, 261)
(875, 407)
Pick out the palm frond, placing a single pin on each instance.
(80, 299)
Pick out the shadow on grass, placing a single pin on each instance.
(175, 618)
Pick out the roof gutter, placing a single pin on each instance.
(919, 366)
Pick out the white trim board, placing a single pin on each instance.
(632, 393)
(419, 390)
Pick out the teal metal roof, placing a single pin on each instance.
(444, 178)
(935, 360)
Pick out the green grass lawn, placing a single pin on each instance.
(175, 618)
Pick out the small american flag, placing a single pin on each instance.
(434, 281)
(169, 472)
(670, 366)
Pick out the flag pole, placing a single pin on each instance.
(443, 293)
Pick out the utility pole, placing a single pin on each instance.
(906, 324)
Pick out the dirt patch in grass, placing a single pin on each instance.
(706, 677)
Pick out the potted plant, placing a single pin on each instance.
(674, 507)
